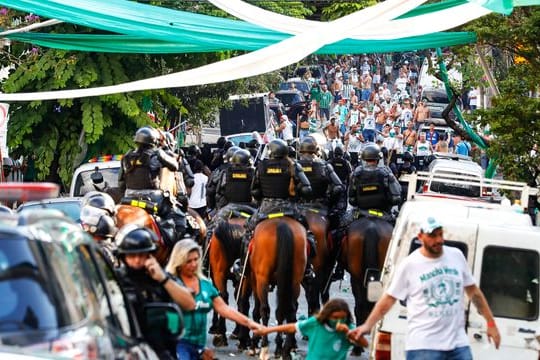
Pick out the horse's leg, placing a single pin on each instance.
(356, 286)
(290, 317)
(243, 307)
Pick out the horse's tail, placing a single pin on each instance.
(371, 246)
(227, 234)
(284, 271)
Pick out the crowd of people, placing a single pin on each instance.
(367, 123)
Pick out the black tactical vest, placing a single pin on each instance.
(371, 189)
(341, 169)
(275, 178)
(238, 185)
(314, 171)
(137, 171)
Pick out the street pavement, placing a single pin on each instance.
(337, 290)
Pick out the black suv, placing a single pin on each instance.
(59, 294)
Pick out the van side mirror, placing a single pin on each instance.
(374, 291)
(96, 176)
(163, 321)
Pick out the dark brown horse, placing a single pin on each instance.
(364, 250)
(278, 256)
(224, 248)
(316, 291)
(127, 214)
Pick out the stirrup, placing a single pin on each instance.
(236, 269)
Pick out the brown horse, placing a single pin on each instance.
(364, 249)
(127, 214)
(316, 291)
(278, 257)
(224, 247)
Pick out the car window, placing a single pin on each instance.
(509, 280)
(416, 243)
(83, 183)
(71, 208)
(435, 97)
(111, 299)
(454, 189)
(40, 289)
(237, 139)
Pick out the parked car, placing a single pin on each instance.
(59, 294)
(70, 206)
(455, 175)
(298, 83)
(503, 252)
(291, 98)
(436, 100)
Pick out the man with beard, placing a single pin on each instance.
(145, 281)
(432, 280)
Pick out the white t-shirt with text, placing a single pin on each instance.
(433, 289)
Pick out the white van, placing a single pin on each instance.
(81, 183)
(503, 250)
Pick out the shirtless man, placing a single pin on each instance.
(421, 114)
(331, 130)
(409, 137)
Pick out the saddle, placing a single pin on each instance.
(374, 213)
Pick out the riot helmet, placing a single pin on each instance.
(230, 152)
(308, 145)
(228, 144)
(133, 239)
(371, 152)
(221, 142)
(146, 136)
(99, 200)
(194, 151)
(97, 222)
(278, 149)
(241, 157)
(338, 152)
(407, 156)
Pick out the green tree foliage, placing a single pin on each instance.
(337, 9)
(515, 114)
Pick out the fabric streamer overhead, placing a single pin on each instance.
(258, 62)
(151, 22)
(135, 44)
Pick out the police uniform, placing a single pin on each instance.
(139, 177)
(374, 187)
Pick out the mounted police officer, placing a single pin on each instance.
(140, 178)
(183, 178)
(374, 187)
(277, 183)
(214, 200)
(405, 168)
(233, 190)
(144, 281)
(325, 184)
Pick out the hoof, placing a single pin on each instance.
(251, 352)
(213, 330)
(219, 340)
(233, 336)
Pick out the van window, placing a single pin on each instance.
(509, 281)
(415, 244)
(84, 184)
(454, 189)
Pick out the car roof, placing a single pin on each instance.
(99, 164)
(53, 200)
(460, 165)
(289, 91)
(456, 210)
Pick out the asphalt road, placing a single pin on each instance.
(337, 290)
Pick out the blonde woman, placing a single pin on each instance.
(185, 263)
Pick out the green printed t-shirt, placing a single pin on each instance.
(195, 321)
(324, 343)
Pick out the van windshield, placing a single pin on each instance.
(450, 188)
(83, 183)
(509, 280)
(435, 97)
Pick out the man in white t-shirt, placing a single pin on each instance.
(432, 279)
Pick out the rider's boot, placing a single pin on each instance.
(236, 268)
(338, 273)
(309, 274)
